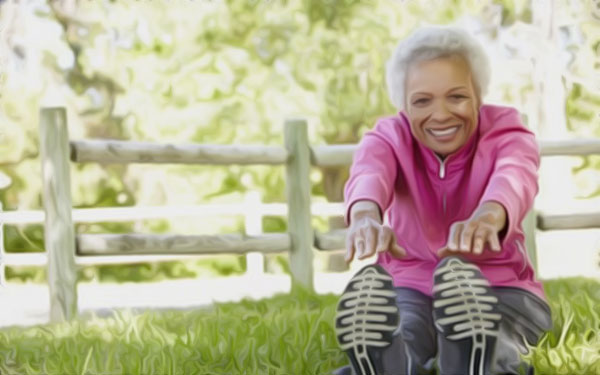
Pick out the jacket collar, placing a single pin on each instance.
(453, 162)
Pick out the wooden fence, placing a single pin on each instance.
(252, 210)
(57, 151)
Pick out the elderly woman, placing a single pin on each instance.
(437, 193)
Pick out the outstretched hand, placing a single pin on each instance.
(471, 235)
(367, 236)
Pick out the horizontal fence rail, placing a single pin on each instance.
(332, 240)
(332, 155)
(112, 244)
(572, 147)
(130, 213)
(571, 221)
(41, 259)
(149, 152)
(111, 151)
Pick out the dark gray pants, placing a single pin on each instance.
(417, 344)
(420, 345)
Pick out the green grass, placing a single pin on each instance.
(286, 334)
(573, 345)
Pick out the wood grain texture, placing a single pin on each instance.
(58, 227)
(332, 240)
(570, 147)
(332, 155)
(298, 198)
(571, 221)
(121, 244)
(111, 151)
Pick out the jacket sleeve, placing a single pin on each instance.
(514, 179)
(372, 174)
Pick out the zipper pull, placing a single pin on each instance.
(442, 169)
(442, 166)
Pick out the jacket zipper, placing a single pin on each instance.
(442, 174)
(444, 202)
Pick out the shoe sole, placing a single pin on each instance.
(366, 316)
(465, 307)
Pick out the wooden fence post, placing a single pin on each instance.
(58, 227)
(2, 253)
(529, 227)
(298, 198)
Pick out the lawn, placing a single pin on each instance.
(285, 334)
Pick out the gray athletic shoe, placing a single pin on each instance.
(465, 309)
(366, 318)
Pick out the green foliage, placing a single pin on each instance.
(573, 345)
(24, 238)
(514, 10)
(285, 334)
(274, 224)
(197, 72)
(24, 274)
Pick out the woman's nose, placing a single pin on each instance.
(440, 112)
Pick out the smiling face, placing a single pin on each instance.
(441, 103)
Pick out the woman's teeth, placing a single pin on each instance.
(445, 132)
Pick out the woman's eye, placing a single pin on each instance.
(457, 96)
(421, 101)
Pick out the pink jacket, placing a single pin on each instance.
(422, 196)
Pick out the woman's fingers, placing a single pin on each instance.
(466, 237)
(455, 234)
(453, 240)
(349, 248)
(359, 242)
(383, 239)
(368, 240)
(479, 238)
(470, 237)
(387, 241)
(397, 250)
(494, 241)
(370, 234)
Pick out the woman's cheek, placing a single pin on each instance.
(466, 109)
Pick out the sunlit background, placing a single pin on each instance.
(231, 72)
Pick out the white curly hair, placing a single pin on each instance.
(431, 42)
